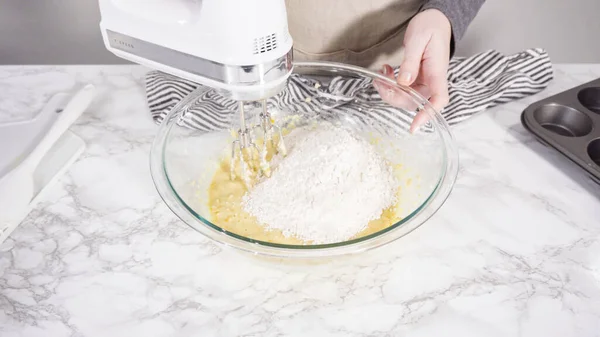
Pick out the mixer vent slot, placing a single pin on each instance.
(265, 44)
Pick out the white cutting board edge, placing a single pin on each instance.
(55, 163)
(22, 136)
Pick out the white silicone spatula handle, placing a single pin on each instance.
(67, 117)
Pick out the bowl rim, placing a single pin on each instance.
(415, 219)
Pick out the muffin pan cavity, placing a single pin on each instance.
(590, 98)
(594, 151)
(563, 121)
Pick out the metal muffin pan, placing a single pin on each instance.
(570, 123)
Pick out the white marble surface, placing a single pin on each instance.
(514, 252)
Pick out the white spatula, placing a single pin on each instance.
(17, 186)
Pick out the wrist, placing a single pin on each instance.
(441, 19)
(444, 26)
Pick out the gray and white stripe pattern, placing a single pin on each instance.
(475, 83)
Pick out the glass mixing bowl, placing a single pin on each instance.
(195, 136)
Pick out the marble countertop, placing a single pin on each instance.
(515, 251)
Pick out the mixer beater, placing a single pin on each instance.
(269, 130)
(252, 160)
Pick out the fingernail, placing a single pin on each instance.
(419, 120)
(414, 127)
(404, 77)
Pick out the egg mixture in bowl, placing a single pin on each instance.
(348, 176)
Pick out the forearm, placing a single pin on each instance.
(460, 13)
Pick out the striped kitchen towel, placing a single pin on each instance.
(475, 84)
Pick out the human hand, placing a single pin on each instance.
(425, 65)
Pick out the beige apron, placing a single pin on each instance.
(366, 33)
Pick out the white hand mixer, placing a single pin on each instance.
(241, 47)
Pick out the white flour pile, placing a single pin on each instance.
(327, 189)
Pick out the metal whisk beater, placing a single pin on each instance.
(245, 151)
(269, 129)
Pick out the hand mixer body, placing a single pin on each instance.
(242, 47)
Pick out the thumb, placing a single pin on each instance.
(413, 54)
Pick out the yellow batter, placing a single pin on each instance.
(225, 202)
(226, 210)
